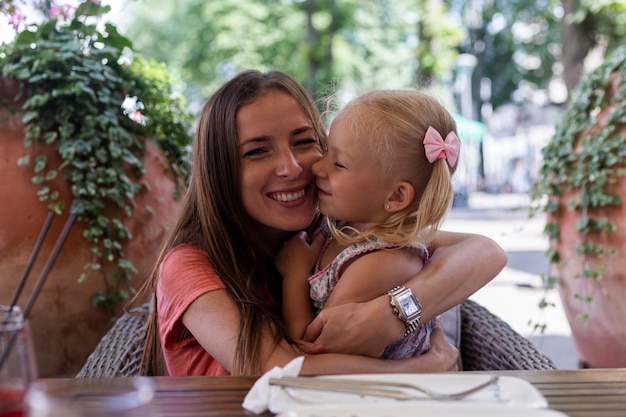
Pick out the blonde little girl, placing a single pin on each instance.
(385, 187)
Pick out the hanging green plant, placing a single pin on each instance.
(583, 162)
(84, 94)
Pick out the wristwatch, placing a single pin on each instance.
(406, 306)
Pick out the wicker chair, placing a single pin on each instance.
(487, 343)
(119, 351)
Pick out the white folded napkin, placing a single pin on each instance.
(263, 396)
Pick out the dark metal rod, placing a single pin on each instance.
(49, 264)
(31, 261)
(42, 278)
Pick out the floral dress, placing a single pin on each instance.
(323, 281)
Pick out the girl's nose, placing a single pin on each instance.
(318, 167)
(288, 165)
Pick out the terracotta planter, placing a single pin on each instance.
(601, 338)
(65, 326)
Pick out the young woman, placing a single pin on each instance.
(217, 291)
(385, 186)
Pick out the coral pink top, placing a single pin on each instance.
(185, 274)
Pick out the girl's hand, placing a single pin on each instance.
(297, 256)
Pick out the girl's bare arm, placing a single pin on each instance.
(295, 262)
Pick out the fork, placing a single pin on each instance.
(365, 387)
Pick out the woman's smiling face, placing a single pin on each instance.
(278, 147)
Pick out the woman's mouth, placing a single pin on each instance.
(287, 197)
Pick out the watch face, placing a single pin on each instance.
(408, 305)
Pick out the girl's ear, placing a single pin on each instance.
(401, 197)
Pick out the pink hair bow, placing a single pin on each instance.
(437, 148)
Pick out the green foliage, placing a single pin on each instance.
(206, 43)
(84, 97)
(517, 43)
(438, 39)
(388, 44)
(326, 45)
(588, 156)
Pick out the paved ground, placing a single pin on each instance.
(515, 293)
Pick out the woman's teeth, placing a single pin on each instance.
(286, 197)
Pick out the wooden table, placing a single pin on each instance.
(580, 393)
(577, 393)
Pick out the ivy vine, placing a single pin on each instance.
(84, 95)
(587, 155)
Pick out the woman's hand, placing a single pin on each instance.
(442, 356)
(354, 328)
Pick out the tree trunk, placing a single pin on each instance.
(577, 43)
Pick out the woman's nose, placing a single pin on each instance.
(288, 165)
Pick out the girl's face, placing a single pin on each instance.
(278, 146)
(350, 181)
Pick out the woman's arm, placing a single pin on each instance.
(459, 266)
(213, 320)
(441, 357)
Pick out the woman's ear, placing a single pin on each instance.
(401, 197)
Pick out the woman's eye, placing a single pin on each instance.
(254, 152)
(338, 165)
(307, 141)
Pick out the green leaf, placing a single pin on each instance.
(44, 193)
(37, 100)
(57, 207)
(51, 174)
(41, 162)
(98, 298)
(115, 39)
(50, 137)
(126, 264)
(30, 116)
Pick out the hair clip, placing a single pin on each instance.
(437, 148)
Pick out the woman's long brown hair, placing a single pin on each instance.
(213, 218)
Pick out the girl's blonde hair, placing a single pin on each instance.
(393, 124)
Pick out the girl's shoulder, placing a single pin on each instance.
(375, 244)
